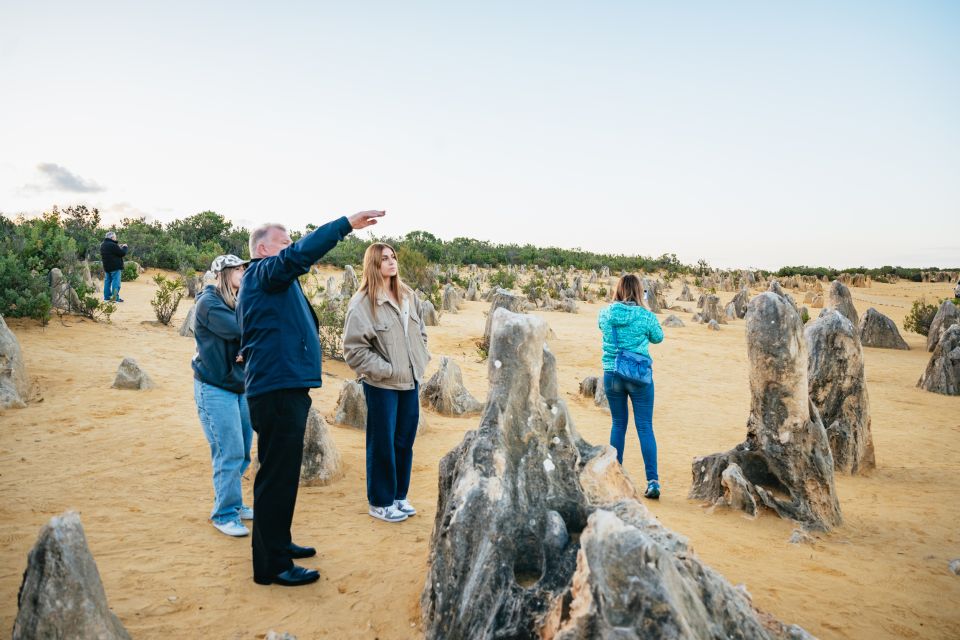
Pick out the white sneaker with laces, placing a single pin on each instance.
(387, 514)
(234, 528)
(246, 513)
(405, 506)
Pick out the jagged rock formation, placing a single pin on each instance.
(839, 392)
(711, 311)
(713, 325)
(14, 383)
(654, 295)
(331, 292)
(943, 371)
(189, 325)
(673, 321)
(451, 299)
(538, 534)
(472, 294)
(131, 376)
(445, 393)
(61, 595)
(777, 289)
(350, 284)
(740, 302)
(503, 299)
(351, 405)
(62, 295)
(842, 301)
(785, 463)
(321, 462)
(877, 330)
(429, 314)
(947, 315)
(685, 295)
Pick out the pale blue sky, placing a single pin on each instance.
(748, 134)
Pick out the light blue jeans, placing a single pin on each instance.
(225, 419)
(111, 284)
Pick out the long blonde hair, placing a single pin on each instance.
(228, 293)
(372, 282)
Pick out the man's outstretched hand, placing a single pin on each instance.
(365, 218)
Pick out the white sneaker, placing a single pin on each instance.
(405, 507)
(387, 514)
(234, 528)
(246, 513)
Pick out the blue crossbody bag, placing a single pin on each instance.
(631, 366)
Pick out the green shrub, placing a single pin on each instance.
(23, 292)
(804, 315)
(503, 278)
(167, 298)
(414, 269)
(535, 289)
(130, 272)
(332, 315)
(920, 316)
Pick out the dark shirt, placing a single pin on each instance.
(111, 253)
(217, 333)
(280, 332)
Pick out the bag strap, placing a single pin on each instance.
(616, 337)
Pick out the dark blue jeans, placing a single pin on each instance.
(392, 418)
(641, 395)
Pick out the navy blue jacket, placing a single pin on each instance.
(218, 341)
(280, 333)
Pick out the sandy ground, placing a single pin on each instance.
(136, 466)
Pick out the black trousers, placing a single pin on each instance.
(280, 419)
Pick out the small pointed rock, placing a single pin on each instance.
(879, 331)
(131, 376)
(14, 384)
(61, 595)
(445, 393)
(943, 371)
(351, 405)
(321, 463)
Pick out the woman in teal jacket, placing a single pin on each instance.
(627, 326)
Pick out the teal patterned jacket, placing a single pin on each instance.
(636, 326)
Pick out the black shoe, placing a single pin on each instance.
(296, 551)
(293, 577)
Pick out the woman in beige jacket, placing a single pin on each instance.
(385, 343)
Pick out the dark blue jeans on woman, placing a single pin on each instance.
(641, 395)
(392, 418)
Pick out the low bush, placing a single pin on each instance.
(130, 272)
(919, 317)
(167, 298)
(503, 278)
(332, 315)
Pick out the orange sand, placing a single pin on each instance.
(136, 466)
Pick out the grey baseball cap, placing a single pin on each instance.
(224, 262)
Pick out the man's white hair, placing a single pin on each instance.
(258, 234)
(111, 234)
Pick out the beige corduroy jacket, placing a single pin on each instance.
(378, 349)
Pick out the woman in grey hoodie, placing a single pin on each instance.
(385, 343)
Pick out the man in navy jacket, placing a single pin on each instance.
(281, 349)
